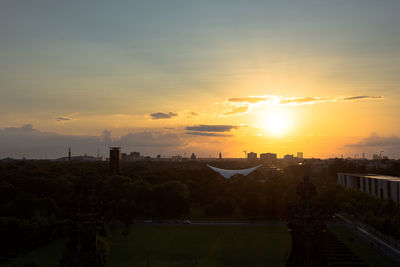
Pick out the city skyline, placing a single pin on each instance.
(173, 78)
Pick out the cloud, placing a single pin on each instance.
(23, 129)
(285, 100)
(303, 100)
(374, 144)
(211, 128)
(162, 115)
(63, 118)
(360, 97)
(237, 111)
(32, 143)
(250, 99)
(193, 113)
(148, 139)
(377, 141)
(209, 134)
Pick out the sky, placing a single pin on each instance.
(203, 77)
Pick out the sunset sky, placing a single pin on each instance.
(175, 77)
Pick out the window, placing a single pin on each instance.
(358, 180)
(369, 186)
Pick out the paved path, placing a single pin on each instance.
(372, 239)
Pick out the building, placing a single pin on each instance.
(252, 156)
(268, 157)
(300, 155)
(288, 157)
(229, 173)
(381, 186)
(115, 159)
(193, 156)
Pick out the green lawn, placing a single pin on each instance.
(183, 246)
(362, 249)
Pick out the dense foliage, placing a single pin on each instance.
(38, 197)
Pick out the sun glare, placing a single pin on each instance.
(276, 123)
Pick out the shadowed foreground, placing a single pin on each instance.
(184, 245)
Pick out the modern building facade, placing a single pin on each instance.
(381, 186)
(252, 156)
(268, 157)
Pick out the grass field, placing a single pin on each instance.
(190, 245)
(184, 246)
(362, 249)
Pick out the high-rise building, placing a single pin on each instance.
(300, 155)
(268, 157)
(252, 156)
(115, 159)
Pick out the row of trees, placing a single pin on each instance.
(382, 215)
(38, 197)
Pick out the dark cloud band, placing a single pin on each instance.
(211, 128)
(162, 115)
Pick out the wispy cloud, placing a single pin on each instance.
(360, 97)
(209, 134)
(64, 118)
(303, 100)
(162, 115)
(285, 100)
(237, 111)
(191, 114)
(211, 128)
(250, 99)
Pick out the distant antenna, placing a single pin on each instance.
(245, 153)
(69, 153)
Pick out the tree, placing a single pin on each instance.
(222, 206)
(172, 199)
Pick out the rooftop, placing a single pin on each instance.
(374, 176)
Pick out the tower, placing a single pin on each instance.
(69, 153)
(306, 229)
(115, 158)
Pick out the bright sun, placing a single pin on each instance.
(276, 123)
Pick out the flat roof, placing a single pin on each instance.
(374, 176)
